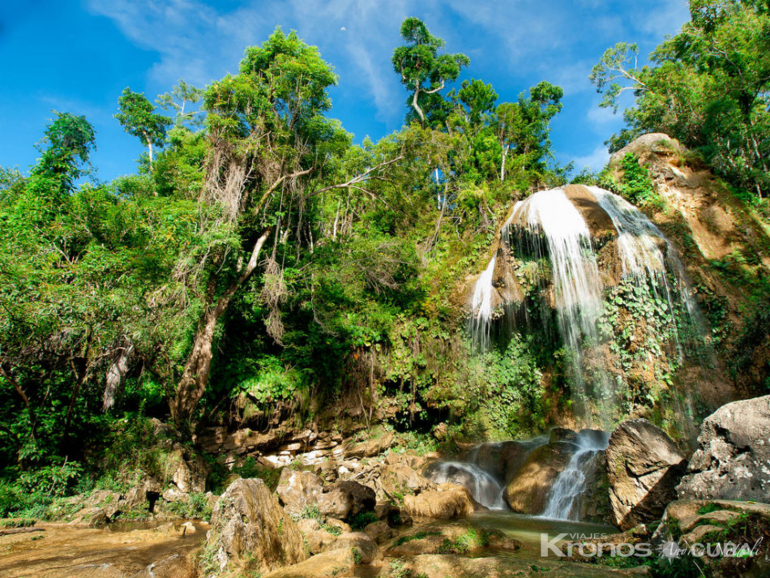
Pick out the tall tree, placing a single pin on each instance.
(138, 117)
(267, 137)
(423, 70)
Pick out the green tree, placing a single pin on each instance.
(423, 70)
(138, 117)
(267, 138)
(707, 87)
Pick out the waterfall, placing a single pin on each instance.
(550, 225)
(484, 488)
(482, 306)
(556, 229)
(570, 485)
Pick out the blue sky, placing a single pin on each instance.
(77, 56)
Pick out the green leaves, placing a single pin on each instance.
(423, 71)
(137, 116)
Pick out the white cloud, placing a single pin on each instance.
(537, 40)
(595, 160)
(603, 116)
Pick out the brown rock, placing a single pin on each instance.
(332, 564)
(380, 532)
(528, 491)
(251, 532)
(447, 501)
(346, 499)
(298, 489)
(644, 466)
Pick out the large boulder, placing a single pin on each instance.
(501, 459)
(298, 489)
(644, 466)
(732, 461)
(528, 491)
(447, 501)
(346, 499)
(251, 532)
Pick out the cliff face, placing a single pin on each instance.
(725, 248)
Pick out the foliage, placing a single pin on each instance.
(423, 71)
(707, 87)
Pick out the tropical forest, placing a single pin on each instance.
(279, 349)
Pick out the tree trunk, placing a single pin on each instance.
(195, 378)
(23, 395)
(417, 107)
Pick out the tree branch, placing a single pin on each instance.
(357, 179)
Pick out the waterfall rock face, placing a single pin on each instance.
(732, 461)
(644, 467)
(590, 264)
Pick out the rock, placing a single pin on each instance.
(699, 533)
(346, 499)
(327, 470)
(335, 563)
(399, 479)
(251, 532)
(732, 461)
(142, 496)
(502, 459)
(175, 495)
(90, 516)
(190, 470)
(594, 505)
(319, 541)
(380, 532)
(298, 489)
(306, 525)
(369, 448)
(106, 500)
(447, 502)
(644, 466)
(344, 528)
(528, 491)
(364, 549)
(560, 434)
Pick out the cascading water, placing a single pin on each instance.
(571, 484)
(484, 488)
(482, 306)
(552, 225)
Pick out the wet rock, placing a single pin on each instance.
(594, 506)
(251, 532)
(560, 434)
(733, 457)
(346, 499)
(380, 532)
(529, 489)
(174, 566)
(447, 501)
(503, 459)
(644, 466)
(298, 489)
